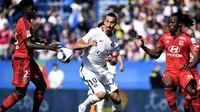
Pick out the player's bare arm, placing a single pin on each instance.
(120, 60)
(155, 53)
(30, 43)
(82, 45)
(41, 41)
(195, 60)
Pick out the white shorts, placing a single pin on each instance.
(98, 82)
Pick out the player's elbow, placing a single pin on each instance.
(28, 43)
(156, 56)
(75, 47)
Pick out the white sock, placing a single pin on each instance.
(91, 99)
(117, 108)
(100, 105)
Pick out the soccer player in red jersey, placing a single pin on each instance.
(24, 67)
(187, 102)
(177, 45)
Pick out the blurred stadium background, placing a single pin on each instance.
(66, 21)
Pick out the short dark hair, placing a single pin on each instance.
(111, 14)
(25, 3)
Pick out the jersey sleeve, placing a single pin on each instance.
(160, 44)
(88, 37)
(115, 51)
(194, 47)
(26, 28)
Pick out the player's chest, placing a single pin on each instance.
(105, 44)
(176, 44)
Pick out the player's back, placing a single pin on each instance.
(24, 30)
(94, 57)
(177, 49)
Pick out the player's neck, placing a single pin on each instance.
(176, 34)
(26, 17)
(109, 34)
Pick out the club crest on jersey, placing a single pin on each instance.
(181, 42)
(112, 44)
(182, 38)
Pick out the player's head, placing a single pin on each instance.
(187, 24)
(110, 21)
(178, 21)
(27, 7)
(175, 22)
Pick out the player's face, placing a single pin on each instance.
(30, 12)
(173, 24)
(110, 23)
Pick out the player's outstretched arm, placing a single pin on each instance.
(30, 43)
(155, 53)
(82, 45)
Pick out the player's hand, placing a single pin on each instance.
(185, 67)
(93, 43)
(139, 41)
(54, 46)
(108, 59)
(111, 60)
(121, 67)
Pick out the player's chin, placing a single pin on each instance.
(109, 32)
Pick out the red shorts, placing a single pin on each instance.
(181, 78)
(24, 70)
(195, 74)
(196, 77)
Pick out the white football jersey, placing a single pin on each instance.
(94, 58)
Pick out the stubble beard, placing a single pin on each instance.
(109, 33)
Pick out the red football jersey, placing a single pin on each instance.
(197, 48)
(177, 49)
(24, 29)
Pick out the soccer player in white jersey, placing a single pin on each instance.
(98, 44)
(112, 69)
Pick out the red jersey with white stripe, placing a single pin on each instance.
(177, 49)
(24, 29)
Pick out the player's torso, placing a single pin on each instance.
(95, 56)
(177, 50)
(23, 30)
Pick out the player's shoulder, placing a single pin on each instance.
(96, 30)
(166, 34)
(185, 35)
(20, 21)
(114, 38)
